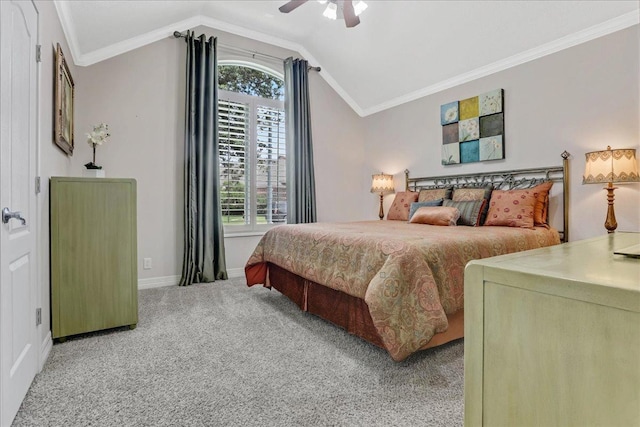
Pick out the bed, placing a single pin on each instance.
(396, 284)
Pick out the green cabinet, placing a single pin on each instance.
(94, 277)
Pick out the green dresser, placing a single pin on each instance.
(94, 277)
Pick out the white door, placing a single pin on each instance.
(18, 255)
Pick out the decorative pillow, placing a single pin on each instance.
(400, 208)
(465, 194)
(415, 205)
(470, 211)
(513, 208)
(542, 203)
(436, 215)
(434, 194)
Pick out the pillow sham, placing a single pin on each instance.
(399, 210)
(470, 211)
(464, 194)
(436, 215)
(541, 206)
(434, 194)
(511, 208)
(415, 205)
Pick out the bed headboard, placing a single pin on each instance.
(505, 180)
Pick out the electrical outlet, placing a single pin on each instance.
(146, 263)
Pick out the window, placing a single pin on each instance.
(252, 148)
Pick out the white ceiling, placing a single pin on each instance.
(402, 50)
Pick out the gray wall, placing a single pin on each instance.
(52, 160)
(580, 99)
(140, 95)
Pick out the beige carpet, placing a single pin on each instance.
(222, 354)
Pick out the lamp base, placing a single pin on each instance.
(610, 223)
(381, 213)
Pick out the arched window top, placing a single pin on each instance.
(251, 79)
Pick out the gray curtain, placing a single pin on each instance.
(203, 259)
(301, 187)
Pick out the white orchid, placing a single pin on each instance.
(99, 135)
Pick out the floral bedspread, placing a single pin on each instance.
(410, 275)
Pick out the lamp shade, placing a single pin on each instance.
(611, 166)
(382, 183)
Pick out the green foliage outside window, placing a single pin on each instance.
(240, 79)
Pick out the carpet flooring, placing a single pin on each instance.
(222, 354)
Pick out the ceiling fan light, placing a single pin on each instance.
(331, 11)
(359, 7)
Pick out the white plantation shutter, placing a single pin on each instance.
(252, 161)
(233, 122)
(271, 173)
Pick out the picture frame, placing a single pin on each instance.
(473, 129)
(64, 104)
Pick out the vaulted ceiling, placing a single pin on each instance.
(402, 50)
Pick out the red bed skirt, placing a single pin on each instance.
(344, 310)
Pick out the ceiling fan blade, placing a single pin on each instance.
(350, 17)
(288, 7)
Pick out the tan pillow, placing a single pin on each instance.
(401, 204)
(436, 215)
(434, 194)
(465, 194)
(512, 208)
(541, 206)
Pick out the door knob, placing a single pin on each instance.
(7, 215)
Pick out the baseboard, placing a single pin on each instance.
(45, 350)
(158, 282)
(234, 273)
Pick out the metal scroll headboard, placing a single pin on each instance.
(505, 180)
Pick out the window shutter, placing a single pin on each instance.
(271, 173)
(233, 121)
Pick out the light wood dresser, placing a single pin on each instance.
(552, 336)
(94, 277)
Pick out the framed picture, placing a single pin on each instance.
(63, 109)
(473, 129)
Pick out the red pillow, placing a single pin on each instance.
(512, 208)
(401, 204)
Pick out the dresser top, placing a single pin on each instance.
(588, 262)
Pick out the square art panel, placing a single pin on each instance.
(491, 148)
(449, 113)
(450, 133)
(473, 129)
(451, 154)
(491, 125)
(469, 108)
(468, 130)
(490, 102)
(469, 152)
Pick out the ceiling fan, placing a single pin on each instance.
(335, 9)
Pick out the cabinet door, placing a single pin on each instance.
(94, 275)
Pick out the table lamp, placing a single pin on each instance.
(383, 184)
(609, 166)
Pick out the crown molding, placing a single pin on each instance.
(93, 57)
(68, 29)
(133, 43)
(611, 26)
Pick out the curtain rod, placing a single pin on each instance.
(178, 35)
